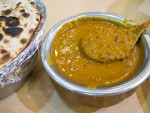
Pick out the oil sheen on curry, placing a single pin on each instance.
(71, 61)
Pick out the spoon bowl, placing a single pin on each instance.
(112, 42)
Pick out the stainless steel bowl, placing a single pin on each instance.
(74, 91)
(16, 73)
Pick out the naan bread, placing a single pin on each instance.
(18, 21)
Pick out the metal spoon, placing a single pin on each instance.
(139, 29)
(114, 47)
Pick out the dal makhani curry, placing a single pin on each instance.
(74, 63)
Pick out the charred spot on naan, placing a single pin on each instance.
(38, 13)
(25, 25)
(5, 58)
(32, 3)
(3, 51)
(22, 10)
(6, 41)
(15, 31)
(12, 21)
(37, 19)
(3, 12)
(25, 15)
(19, 4)
(2, 18)
(1, 36)
(31, 31)
(7, 12)
(23, 41)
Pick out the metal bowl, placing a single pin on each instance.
(16, 72)
(80, 93)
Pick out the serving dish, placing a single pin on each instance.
(100, 96)
(16, 73)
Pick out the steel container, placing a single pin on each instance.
(16, 73)
(100, 96)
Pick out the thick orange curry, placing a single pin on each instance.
(71, 62)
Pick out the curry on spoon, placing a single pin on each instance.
(110, 43)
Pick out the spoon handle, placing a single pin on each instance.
(140, 28)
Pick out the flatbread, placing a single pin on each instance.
(18, 21)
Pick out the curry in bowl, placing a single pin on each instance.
(68, 56)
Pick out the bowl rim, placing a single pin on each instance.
(132, 83)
